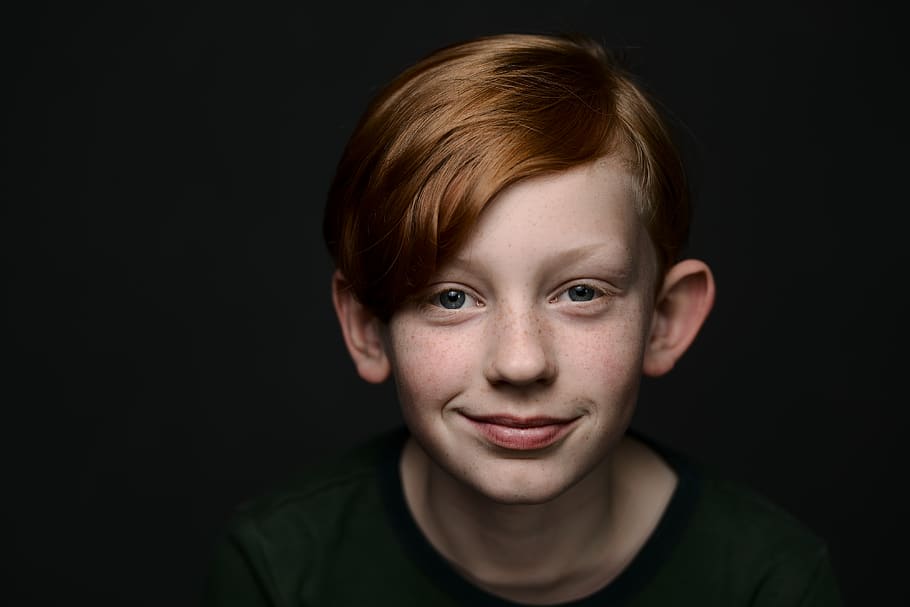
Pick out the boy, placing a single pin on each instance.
(506, 223)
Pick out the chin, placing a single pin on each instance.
(523, 498)
(523, 484)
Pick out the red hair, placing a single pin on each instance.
(450, 132)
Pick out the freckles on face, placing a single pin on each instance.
(601, 362)
(430, 366)
(543, 314)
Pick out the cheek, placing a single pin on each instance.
(608, 357)
(430, 366)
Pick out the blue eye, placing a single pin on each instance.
(582, 292)
(451, 299)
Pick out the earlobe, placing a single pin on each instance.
(683, 304)
(362, 332)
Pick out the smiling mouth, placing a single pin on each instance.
(521, 433)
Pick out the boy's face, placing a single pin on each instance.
(518, 367)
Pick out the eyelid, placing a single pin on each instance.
(599, 290)
(433, 292)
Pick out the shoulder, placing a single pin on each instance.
(727, 543)
(307, 534)
(715, 508)
(757, 545)
(345, 469)
(318, 506)
(731, 509)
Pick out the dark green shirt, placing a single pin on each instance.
(343, 536)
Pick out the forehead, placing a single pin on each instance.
(592, 207)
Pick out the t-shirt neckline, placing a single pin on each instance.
(636, 575)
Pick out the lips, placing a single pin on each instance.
(521, 433)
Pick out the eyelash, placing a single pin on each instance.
(434, 299)
(598, 292)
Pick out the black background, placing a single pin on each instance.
(168, 311)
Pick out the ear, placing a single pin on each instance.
(362, 332)
(683, 304)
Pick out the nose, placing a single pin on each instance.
(519, 352)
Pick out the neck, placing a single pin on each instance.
(561, 550)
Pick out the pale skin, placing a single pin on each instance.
(552, 309)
